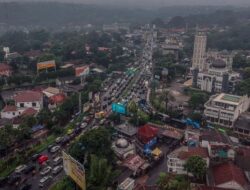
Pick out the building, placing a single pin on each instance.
(227, 176)
(29, 99)
(5, 70)
(177, 159)
(9, 112)
(224, 109)
(242, 125)
(122, 148)
(127, 184)
(218, 78)
(199, 53)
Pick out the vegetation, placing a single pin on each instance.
(196, 166)
(171, 182)
(197, 100)
(62, 184)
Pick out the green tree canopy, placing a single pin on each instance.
(197, 166)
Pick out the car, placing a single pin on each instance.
(57, 160)
(26, 187)
(49, 147)
(77, 130)
(35, 157)
(20, 169)
(46, 170)
(45, 181)
(83, 125)
(29, 169)
(59, 139)
(42, 159)
(14, 178)
(57, 170)
(54, 149)
(65, 140)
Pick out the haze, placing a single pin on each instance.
(150, 3)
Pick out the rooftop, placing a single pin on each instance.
(28, 96)
(215, 136)
(9, 108)
(185, 152)
(243, 122)
(228, 172)
(228, 98)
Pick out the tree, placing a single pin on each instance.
(2, 56)
(171, 182)
(100, 174)
(132, 107)
(197, 99)
(243, 87)
(97, 141)
(197, 166)
(246, 73)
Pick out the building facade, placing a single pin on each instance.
(224, 109)
(199, 53)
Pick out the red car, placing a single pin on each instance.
(42, 159)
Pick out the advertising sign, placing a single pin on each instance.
(46, 65)
(75, 170)
(82, 71)
(119, 108)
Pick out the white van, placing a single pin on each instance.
(45, 181)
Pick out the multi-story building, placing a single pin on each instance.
(176, 160)
(199, 53)
(224, 109)
(218, 78)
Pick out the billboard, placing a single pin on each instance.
(46, 65)
(119, 108)
(82, 71)
(75, 170)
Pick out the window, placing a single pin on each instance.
(13, 113)
(21, 105)
(33, 104)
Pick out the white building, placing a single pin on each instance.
(122, 148)
(218, 78)
(224, 109)
(199, 53)
(177, 159)
(9, 112)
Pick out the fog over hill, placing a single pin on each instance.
(149, 3)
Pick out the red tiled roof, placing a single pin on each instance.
(210, 188)
(58, 98)
(29, 112)
(9, 108)
(227, 172)
(28, 96)
(193, 151)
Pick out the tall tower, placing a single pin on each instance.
(200, 43)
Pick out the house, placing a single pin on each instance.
(227, 176)
(5, 70)
(9, 112)
(177, 159)
(219, 145)
(242, 160)
(122, 148)
(224, 109)
(242, 125)
(56, 100)
(147, 133)
(29, 99)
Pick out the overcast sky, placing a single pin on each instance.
(150, 3)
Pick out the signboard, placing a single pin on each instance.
(46, 65)
(75, 170)
(82, 71)
(119, 108)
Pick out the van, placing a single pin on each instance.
(45, 181)
(57, 160)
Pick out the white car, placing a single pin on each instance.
(59, 139)
(46, 170)
(20, 168)
(83, 125)
(57, 170)
(54, 149)
(45, 181)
